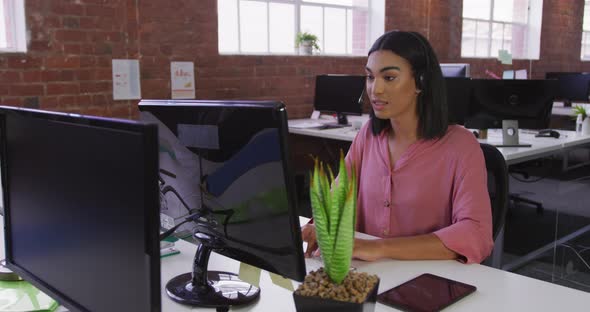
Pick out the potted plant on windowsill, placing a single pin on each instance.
(583, 118)
(306, 42)
(335, 287)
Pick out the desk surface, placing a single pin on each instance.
(496, 290)
(540, 146)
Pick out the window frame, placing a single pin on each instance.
(489, 38)
(297, 27)
(585, 34)
(15, 26)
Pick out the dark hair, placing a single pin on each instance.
(432, 100)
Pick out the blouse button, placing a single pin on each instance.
(386, 203)
(385, 232)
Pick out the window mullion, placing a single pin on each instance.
(324, 29)
(239, 28)
(268, 27)
(346, 31)
(490, 29)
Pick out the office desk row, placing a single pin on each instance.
(541, 147)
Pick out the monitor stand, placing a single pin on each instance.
(210, 288)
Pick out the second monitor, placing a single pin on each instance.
(224, 166)
(528, 101)
(340, 94)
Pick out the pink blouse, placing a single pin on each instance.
(437, 186)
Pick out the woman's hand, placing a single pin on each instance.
(367, 250)
(308, 235)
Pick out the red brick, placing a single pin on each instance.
(99, 10)
(66, 35)
(27, 89)
(10, 77)
(95, 87)
(62, 88)
(67, 100)
(62, 62)
(12, 101)
(22, 62)
(32, 76)
(71, 48)
(48, 103)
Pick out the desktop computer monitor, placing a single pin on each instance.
(81, 208)
(571, 86)
(227, 162)
(455, 70)
(458, 98)
(340, 94)
(528, 101)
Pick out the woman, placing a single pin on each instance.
(422, 183)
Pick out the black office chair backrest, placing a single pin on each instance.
(497, 185)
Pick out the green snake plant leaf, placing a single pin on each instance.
(319, 199)
(344, 241)
(334, 213)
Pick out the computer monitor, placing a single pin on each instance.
(571, 86)
(458, 98)
(455, 70)
(233, 156)
(528, 101)
(81, 208)
(340, 94)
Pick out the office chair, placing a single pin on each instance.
(516, 198)
(497, 185)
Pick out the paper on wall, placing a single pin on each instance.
(126, 84)
(183, 80)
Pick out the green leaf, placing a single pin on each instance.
(344, 242)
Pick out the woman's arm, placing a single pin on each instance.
(420, 247)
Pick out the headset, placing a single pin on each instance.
(420, 83)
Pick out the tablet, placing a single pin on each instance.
(425, 293)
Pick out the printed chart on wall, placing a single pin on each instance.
(126, 84)
(183, 80)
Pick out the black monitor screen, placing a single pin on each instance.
(528, 101)
(341, 94)
(81, 208)
(229, 161)
(458, 98)
(571, 86)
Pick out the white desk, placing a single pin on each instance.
(496, 290)
(540, 146)
(560, 110)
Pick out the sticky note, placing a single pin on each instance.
(508, 74)
(281, 281)
(249, 274)
(504, 57)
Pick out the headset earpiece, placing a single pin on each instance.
(419, 82)
(420, 77)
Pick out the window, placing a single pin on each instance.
(492, 25)
(586, 33)
(343, 27)
(12, 26)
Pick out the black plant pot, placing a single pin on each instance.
(317, 304)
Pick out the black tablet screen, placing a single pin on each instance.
(425, 293)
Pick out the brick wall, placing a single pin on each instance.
(68, 65)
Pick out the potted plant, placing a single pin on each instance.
(306, 42)
(583, 118)
(335, 287)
